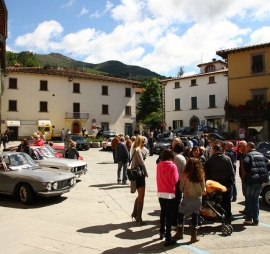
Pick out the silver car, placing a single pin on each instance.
(21, 176)
(45, 158)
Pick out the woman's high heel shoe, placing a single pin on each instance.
(133, 217)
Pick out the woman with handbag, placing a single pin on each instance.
(137, 160)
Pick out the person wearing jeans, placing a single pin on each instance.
(167, 177)
(122, 158)
(255, 166)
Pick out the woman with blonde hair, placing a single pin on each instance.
(137, 160)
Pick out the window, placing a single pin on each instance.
(43, 106)
(257, 63)
(43, 85)
(104, 90)
(12, 83)
(212, 101)
(193, 102)
(128, 92)
(128, 110)
(177, 84)
(105, 109)
(193, 82)
(177, 104)
(211, 80)
(210, 68)
(177, 124)
(76, 87)
(76, 109)
(12, 105)
(259, 94)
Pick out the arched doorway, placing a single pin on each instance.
(76, 128)
(194, 121)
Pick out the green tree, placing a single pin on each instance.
(181, 71)
(150, 105)
(27, 59)
(24, 58)
(11, 58)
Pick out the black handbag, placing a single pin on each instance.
(135, 173)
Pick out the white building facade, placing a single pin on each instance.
(70, 100)
(197, 100)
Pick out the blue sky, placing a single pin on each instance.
(160, 35)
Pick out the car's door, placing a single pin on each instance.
(2, 180)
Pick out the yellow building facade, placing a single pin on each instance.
(248, 106)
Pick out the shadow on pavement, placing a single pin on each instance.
(39, 202)
(154, 246)
(110, 186)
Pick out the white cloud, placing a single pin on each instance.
(156, 34)
(41, 38)
(69, 4)
(97, 14)
(260, 35)
(83, 12)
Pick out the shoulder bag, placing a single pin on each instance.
(135, 173)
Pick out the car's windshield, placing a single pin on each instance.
(165, 140)
(264, 146)
(77, 138)
(42, 153)
(16, 160)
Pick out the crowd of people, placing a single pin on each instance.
(182, 172)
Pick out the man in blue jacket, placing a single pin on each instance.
(122, 158)
(255, 166)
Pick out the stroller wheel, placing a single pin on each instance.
(225, 230)
(230, 228)
(201, 220)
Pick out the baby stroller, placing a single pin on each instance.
(211, 209)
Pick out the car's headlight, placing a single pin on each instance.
(48, 186)
(55, 185)
(72, 181)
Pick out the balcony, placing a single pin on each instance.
(76, 115)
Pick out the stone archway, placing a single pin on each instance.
(194, 121)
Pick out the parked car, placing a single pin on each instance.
(215, 136)
(265, 193)
(163, 134)
(106, 134)
(45, 158)
(59, 151)
(81, 143)
(25, 178)
(184, 132)
(107, 144)
(264, 148)
(162, 144)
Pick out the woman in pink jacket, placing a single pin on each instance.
(167, 176)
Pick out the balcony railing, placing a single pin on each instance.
(262, 114)
(76, 115)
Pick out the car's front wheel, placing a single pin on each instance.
(266, 195)
(26, 194)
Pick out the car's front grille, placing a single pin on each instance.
(63, 184)
(78, 169)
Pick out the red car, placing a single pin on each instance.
(58, 151)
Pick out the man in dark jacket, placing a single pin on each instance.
(229, 151)
(255, 166)
(122, 158)
(219, 168)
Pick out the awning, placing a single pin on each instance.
(41, 123)
(13, 123)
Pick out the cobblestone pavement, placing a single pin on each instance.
(95, 218)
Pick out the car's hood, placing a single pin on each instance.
(67, 163)
(263, 151)
(161, 143)
(43, 174)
